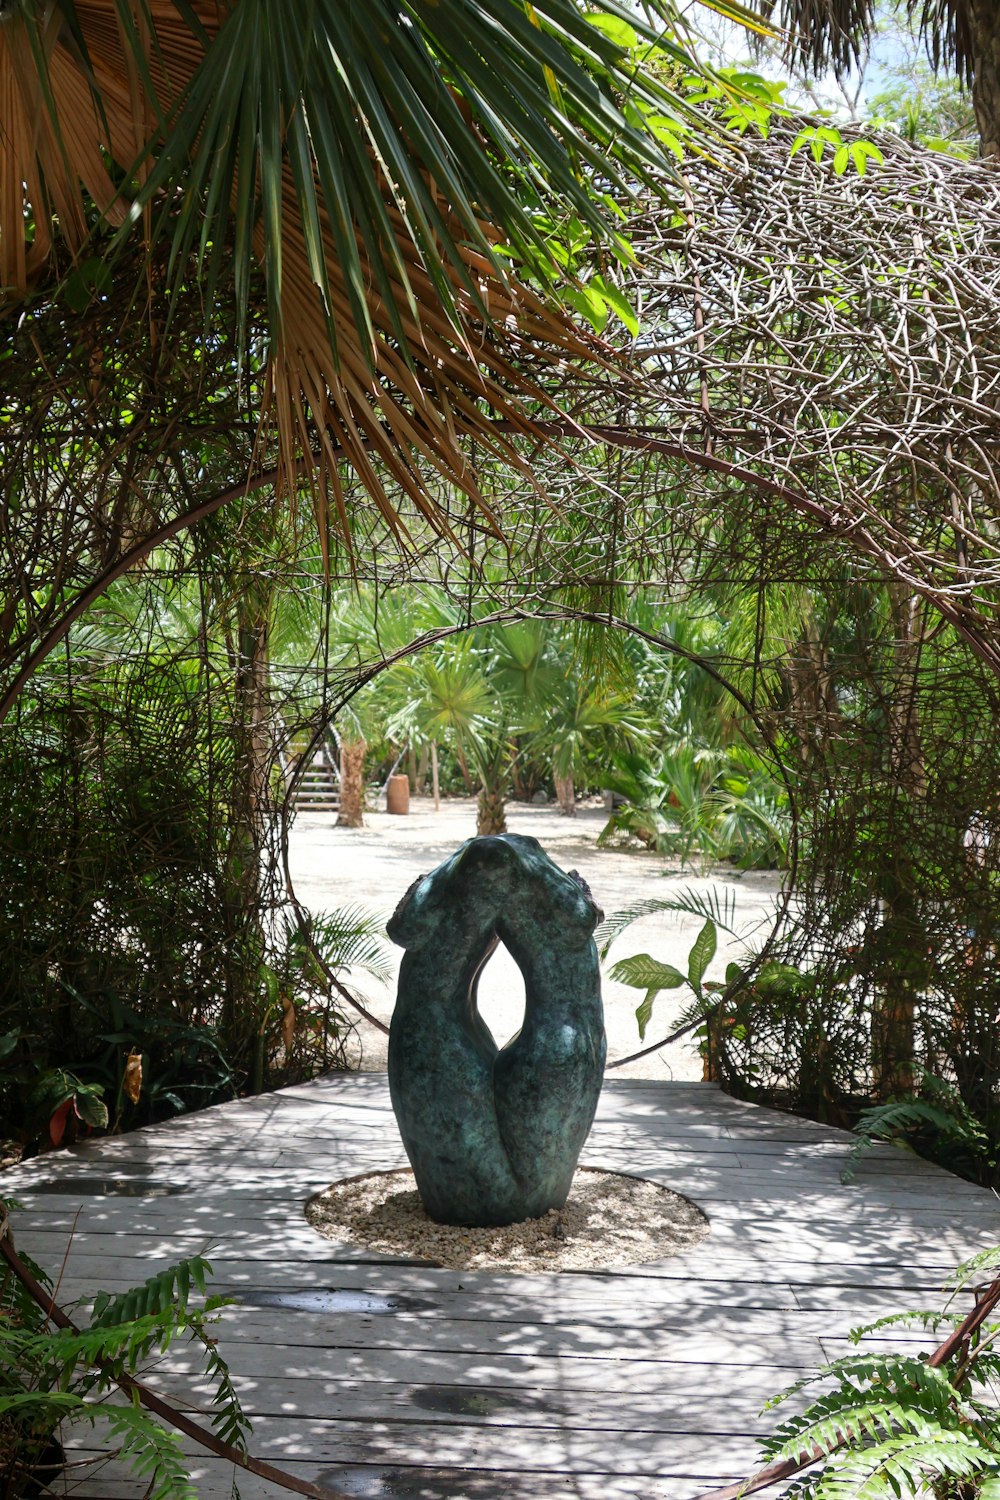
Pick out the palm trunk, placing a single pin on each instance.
(565, 795)
(352, 784)
(249, 800)
(903, 942)
(492, 816)
(463, 766)
(983, 23)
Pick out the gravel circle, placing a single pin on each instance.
(609, 1221)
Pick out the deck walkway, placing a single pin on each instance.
(416, 1383)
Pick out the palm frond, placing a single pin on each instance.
(368, 159)
(718, 906)
(352, 937)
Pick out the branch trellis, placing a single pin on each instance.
(813, 399)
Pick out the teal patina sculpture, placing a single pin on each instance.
(493, 1136)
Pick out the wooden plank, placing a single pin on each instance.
(308, 1289)
(740, 1337)
(386, 1482)
(674, 1406)
(543, 1450)
(537, 1387)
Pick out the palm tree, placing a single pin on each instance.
(384, 167)
(963, 34)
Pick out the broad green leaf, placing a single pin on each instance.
(590, 305)
(8, 1042)
(92, 1110)
(665, 131)
(841, 159)
(643, 1012)
(614, 27)
(641, 972)
(89, 280)
(777, 980)
(862, 152)
(618, 303)
(701, 955)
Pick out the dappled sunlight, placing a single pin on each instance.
(355, 1364)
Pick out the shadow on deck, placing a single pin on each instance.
(392, 1380)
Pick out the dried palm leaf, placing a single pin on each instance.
(364, 158)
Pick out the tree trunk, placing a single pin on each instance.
(983, 20)
(352, 784)
(565, 795)
(902, 943)
(249, 800)
(463, 766)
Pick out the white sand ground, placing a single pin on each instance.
(376, 864)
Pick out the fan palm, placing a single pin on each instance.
(384, 166)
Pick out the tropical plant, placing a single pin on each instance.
(146, 970)
(642, 971)
(50, 1374)
(901, 1425)
(934, 1120)
(956, 34)
(382, 171)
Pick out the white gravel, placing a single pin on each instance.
(609, 1221)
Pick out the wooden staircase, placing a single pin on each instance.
(319, 788)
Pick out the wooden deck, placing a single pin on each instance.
(415, 1383)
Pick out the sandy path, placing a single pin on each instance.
(374, 865)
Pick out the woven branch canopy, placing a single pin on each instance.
(810, 342)
(836, 340)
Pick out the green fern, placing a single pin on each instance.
(894, 1426)
(161, 1293)
(48, 1374)
(944, 1113)
(929, 1319)
(153, 1454)
(349, 938)
(974, 1268)
(902, 1466)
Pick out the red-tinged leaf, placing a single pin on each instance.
(57, 1122)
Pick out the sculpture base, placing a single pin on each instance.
(610, 1220)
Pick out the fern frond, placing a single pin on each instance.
(892, 1121)
(897, 1374)
(849, 1415)
(167, 1291)
(926, 1318)
(902, 1465)
(153, 1454)
(973, 1269)
(122, 1346)
(352, 937)
(62, 1403)
(228, 1417)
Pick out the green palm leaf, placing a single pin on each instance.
(368, 159)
